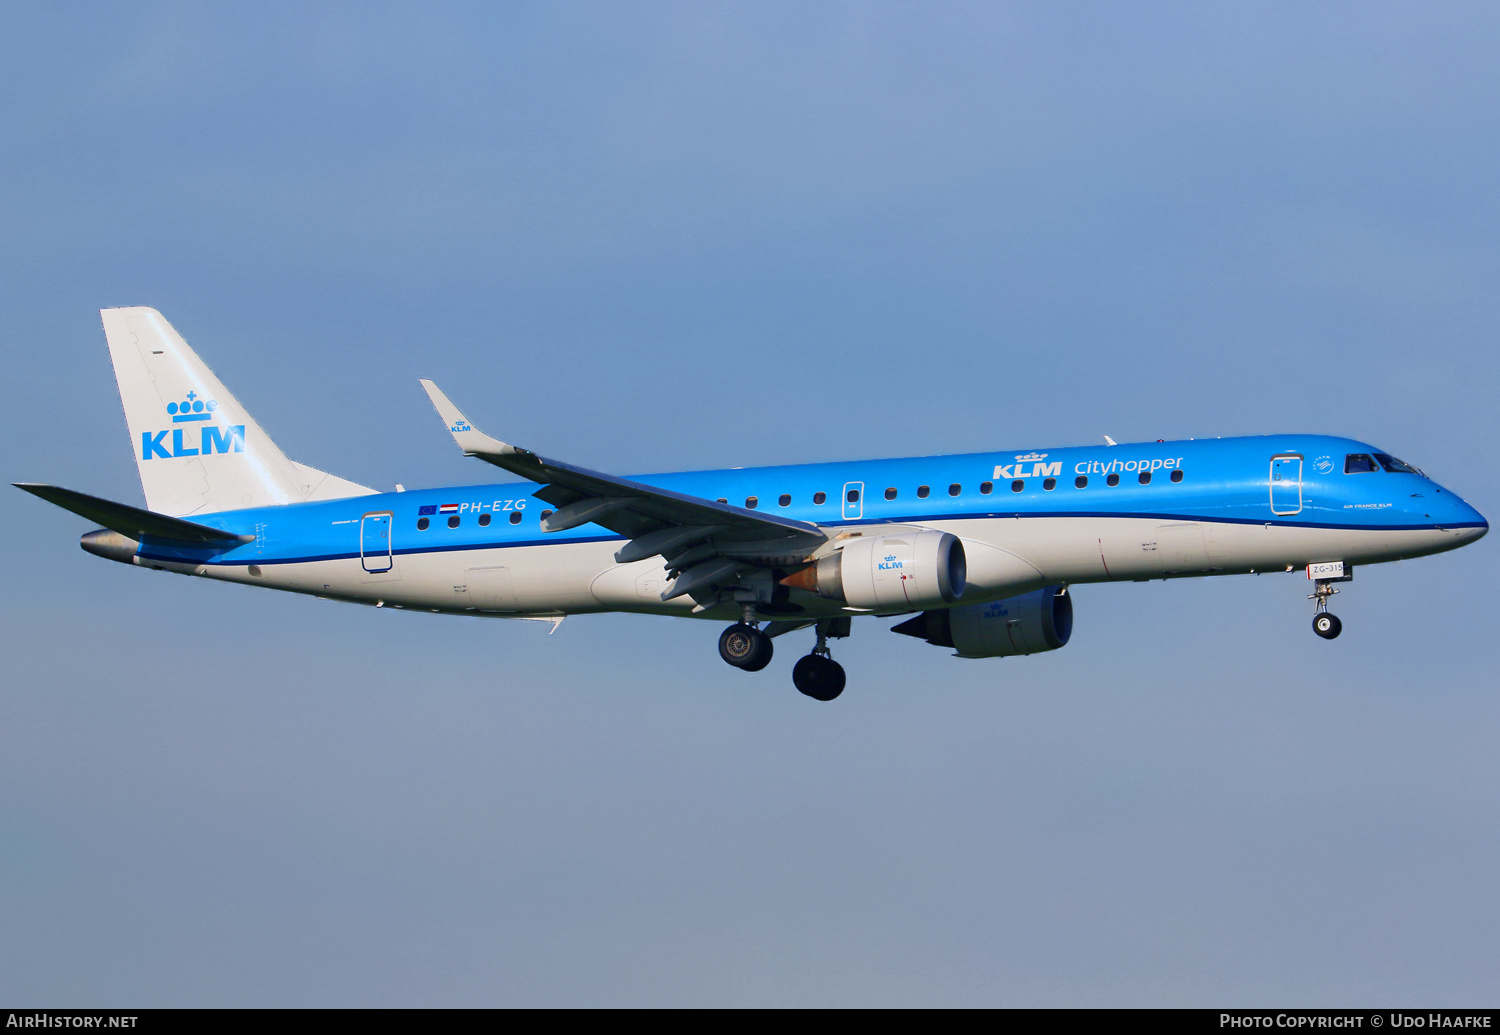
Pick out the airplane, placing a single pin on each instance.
(977, 552)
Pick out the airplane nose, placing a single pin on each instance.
(1477, 528)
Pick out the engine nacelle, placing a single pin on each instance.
(1026, 624)
(898, 570)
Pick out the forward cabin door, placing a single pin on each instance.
(375, 542)
(1286, 484)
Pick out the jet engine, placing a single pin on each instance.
(901, 571)
(1026, 624)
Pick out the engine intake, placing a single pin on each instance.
(899, 570)
(1027, 624)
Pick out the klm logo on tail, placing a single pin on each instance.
(211, 437)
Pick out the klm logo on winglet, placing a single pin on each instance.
(460, 425)
(211, 438)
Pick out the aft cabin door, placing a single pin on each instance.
(1286, 484)
(375, 542)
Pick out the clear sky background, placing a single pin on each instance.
(648, 237)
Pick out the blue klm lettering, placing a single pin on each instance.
(211, 440)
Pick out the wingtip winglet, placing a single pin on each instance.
(469, 438)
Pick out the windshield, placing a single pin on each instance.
(1395, 466)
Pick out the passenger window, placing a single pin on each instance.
(751, 502)
(853, 496)
(484, 519)
(1177, 475)
(721, 499)
(547, 513)
(515, 517)
(1017, 485)
(1145, 478)
(422, 524)
(453, 521)
(1359, 463)
(890, 494)
(955, 489)
(1049, 484)
(1081, 482)
(923, 492)
(819, 498)
(1113, 479)
(985, 488)
(785, 501)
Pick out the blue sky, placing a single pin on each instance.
(649, 237)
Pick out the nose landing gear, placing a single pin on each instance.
(1325, 624)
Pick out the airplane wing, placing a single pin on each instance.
(711, 548)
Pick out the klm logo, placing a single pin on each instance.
(889, 563)
(460, 425)
(211, 438)
(1029, 465)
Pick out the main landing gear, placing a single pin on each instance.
(746, 646)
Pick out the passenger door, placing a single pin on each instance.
(375, 542)
(1286, 484)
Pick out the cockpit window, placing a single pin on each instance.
(1359, 463)
(1395, 466)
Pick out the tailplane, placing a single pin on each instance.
(196, 448)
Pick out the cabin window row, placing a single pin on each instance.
(956, 489)
(423, 524)
(820, 498)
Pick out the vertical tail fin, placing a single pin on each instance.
(196, 448)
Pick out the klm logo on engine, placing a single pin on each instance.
(1038, 467)
(211, 437)
(890, 563)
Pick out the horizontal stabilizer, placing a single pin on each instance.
(133, 521)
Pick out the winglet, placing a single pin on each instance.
(471, 440)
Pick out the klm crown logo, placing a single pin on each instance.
(192, 409)
(211, 438)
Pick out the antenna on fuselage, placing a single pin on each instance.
(1109, 441)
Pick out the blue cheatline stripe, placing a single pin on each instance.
(612, 537)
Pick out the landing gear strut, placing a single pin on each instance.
(818, 675)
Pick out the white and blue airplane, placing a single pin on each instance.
(980, 549)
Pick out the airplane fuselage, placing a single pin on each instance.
(1066, 516)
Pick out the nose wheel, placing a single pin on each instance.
(1327, 626)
